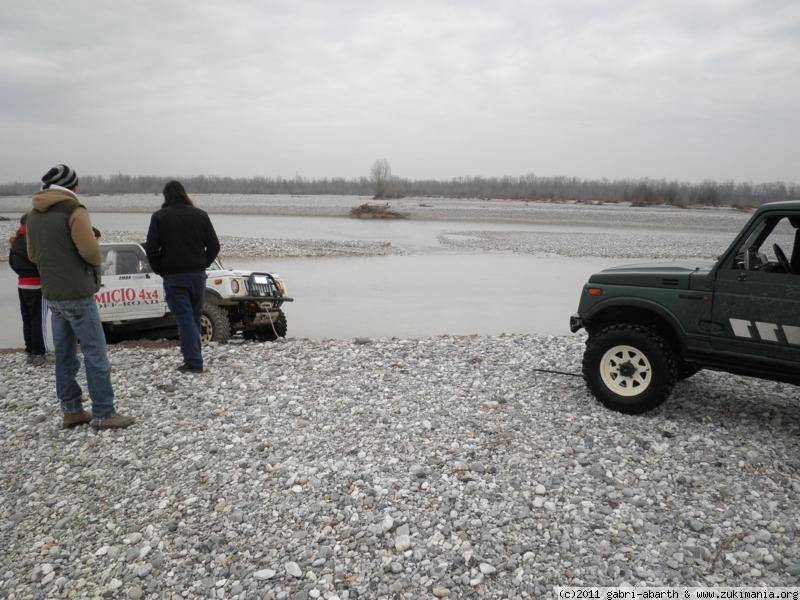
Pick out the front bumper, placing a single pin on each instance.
(264, 318)
(575, 323)
(264, 298)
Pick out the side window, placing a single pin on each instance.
(779, 247)
(124, 260)
(108, 266)
(773, 247)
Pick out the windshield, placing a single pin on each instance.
(216, 265)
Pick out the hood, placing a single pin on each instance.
(653, 275)
(46, 199)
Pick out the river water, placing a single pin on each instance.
(429, 289)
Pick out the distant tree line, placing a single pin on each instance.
(202, 184)
(381, 184)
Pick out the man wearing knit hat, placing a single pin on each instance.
(63, 246)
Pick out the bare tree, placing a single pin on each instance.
(380, 176)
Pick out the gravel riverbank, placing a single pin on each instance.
(392, 468)
(250, 247)
(653, 245)
(611, 230)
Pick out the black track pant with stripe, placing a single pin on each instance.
(31, 308)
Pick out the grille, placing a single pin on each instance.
(262, 289)
(669, 282)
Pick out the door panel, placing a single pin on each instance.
(760, 315)
(130, 290)
(756, 306)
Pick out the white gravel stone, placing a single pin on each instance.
(133, 538)
(388, 523)
(264, 574)
(293, 569)
(402, 543)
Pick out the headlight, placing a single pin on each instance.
(235, 286)
(280, 284)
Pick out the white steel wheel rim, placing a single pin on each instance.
(206, 329)
(614, 371)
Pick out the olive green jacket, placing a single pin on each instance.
(63, 246)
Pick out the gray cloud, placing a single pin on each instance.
(682, 90)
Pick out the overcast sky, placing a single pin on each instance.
(677, 89)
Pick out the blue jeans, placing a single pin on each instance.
(186, 294)
(78, 321)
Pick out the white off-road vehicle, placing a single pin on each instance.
(132, 304)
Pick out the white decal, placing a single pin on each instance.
(766, 332)
(792, 334)
(741, 328)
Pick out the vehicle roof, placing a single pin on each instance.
(785, 205)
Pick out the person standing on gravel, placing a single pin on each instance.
(181, 244)
(29, 287)
(61, 243)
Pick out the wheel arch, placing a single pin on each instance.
(641, 312)
(213, 297)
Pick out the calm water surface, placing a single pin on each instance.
(431, 291)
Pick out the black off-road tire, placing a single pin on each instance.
(265, 333)
(649, 347)
(215, 326)
(110, 335)
(687, 370)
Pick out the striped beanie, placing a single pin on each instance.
(60, 175)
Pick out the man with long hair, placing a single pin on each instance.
(181, 245)
(61, 242)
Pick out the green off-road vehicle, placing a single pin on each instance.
(651, 325)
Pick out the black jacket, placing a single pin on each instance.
(18, 258)
(181, 239)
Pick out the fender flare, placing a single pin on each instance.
(654, 307)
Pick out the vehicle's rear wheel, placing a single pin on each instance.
(110, 335)
(214, 324)
(266, 333)
(629, 367)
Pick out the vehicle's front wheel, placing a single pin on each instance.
(214, 324)
(267, 333)
(629, 367)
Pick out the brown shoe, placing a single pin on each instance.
(115, 422)
(74, 419)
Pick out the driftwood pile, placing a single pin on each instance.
(375, 211)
